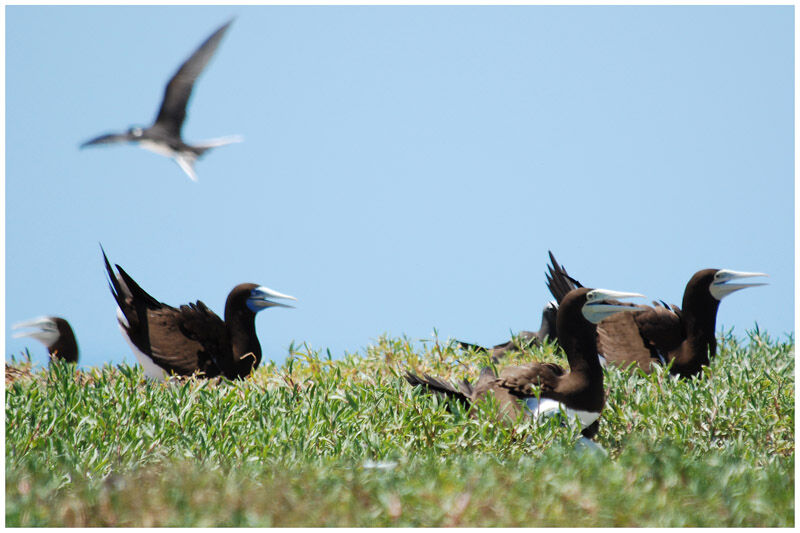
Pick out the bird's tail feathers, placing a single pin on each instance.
(440, 387)
(558, 281)
(220, 141)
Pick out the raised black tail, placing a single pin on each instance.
(558, 281)
(123, 286)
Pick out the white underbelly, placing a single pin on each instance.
(545, 408)
(158, 148)
(151, 370)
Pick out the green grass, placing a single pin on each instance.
(291, 447)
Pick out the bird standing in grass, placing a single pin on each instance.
(164, 136)
(546, 389)
(191, 339)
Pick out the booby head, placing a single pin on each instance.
(257, 297)
(135, 132)
(718, 284)
(44, 329)
(601, 304)
(54, 332)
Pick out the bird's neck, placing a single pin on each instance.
(246, 348)
(65, 349)
(581, 349)
(699, 320)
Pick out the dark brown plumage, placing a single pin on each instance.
(517, 388)
(55, 333)
(664, 333)
(191, 339)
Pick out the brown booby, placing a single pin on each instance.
(545, 389)
(191, 339)
(664, 333)
(55, 333)
(164, 136)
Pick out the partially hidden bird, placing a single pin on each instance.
(55, 333)
(542, 390)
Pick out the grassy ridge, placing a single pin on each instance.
(295, 445)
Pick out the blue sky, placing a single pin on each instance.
(403, 168)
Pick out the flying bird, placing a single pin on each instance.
(191, 339)
(662, 334)
(55, 333)
(164, 136)
(545, 389)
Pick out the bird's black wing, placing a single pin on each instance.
(176, 96)
(191, 339)
(108, 138)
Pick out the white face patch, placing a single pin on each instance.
(544, 408)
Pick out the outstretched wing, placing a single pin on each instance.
(176, 96)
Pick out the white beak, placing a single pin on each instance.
(259, 299)
(595, 310)
(720, 287)
(46, 330)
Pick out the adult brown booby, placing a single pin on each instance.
(164, 136)
(545, 389)
(191, 339)
(664, 333)
(55, 333)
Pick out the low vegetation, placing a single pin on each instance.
(318, 441)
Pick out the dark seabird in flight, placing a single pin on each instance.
(545, 389)
(191, 339)
(164, 136)
(665, 333)
(55, 333)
